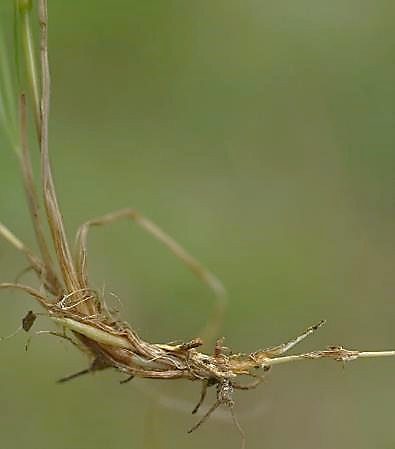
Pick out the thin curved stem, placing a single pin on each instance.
(29, 290)
(215, 321)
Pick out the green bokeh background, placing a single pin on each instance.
(260, 134)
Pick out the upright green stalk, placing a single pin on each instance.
(8, 113)
(24, 8)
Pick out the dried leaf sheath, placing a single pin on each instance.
(54, 215)
(33, 201)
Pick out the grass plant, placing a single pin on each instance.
(79, 312)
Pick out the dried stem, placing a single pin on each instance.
(55, 219)
(32, 199)
(20, 246)
(215, 321)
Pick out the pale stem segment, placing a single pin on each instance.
(336, 353)
(20, 246)
(34, 262)
(285, 347)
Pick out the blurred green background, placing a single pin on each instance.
(260, 134)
